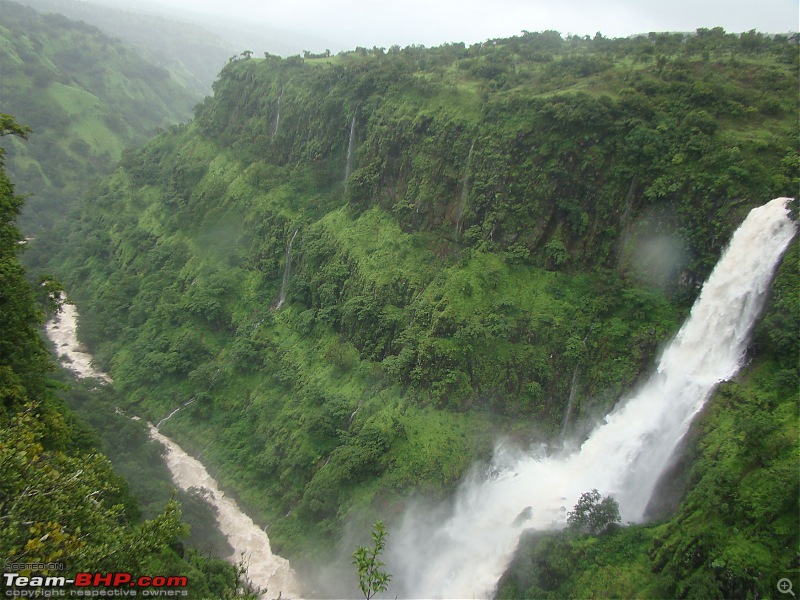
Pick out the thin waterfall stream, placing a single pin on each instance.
(287, 272)
(348, 164)
(271, 573)
(464, 554)
(277, 115)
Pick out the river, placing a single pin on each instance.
(269, 572)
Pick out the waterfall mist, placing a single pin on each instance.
(462, 551)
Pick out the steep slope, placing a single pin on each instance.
(61, 502)
(467, 241)
(86, 97)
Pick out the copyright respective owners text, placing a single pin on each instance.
(44, 580)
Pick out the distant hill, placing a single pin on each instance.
(240, 28)
(191, 54)
(86, 97)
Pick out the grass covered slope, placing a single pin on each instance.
(523, 223)
(86, 97)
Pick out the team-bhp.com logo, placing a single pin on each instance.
(93, 585)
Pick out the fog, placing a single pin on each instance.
(316, 25)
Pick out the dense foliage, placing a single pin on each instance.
(60, 500)
(522, 225)
(86, 97)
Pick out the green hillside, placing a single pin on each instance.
(192, 55)
(523, 222)
(86, 97)
(60, 500)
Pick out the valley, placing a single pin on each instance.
(359, 284)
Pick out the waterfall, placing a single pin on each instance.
(287, 269)
(348, 165)
(464, 554)
(623, 240)
(169, 416)
(462, 204)
(278, 114)
(570, 401)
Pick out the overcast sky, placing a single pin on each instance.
(345, 24)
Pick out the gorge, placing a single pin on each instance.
(624, 457)
(522, 228)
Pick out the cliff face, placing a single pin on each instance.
(519, 230)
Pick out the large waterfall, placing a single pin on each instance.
(464, 554)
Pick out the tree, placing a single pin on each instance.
(593, 513)
(371, 579)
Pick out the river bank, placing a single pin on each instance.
(270, 573)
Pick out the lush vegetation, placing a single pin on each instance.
(524, 224)
(60, 500)
(86, 97)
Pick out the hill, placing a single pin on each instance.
(192, 55)
(86, 96)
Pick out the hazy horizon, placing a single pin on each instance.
(346, 24)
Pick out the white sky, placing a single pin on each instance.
(350, 23)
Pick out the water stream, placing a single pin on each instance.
(271, 573)
(287, 272)
(172, 414)
(348, 165)
(62, 331)
(278, 114)
(463, 555)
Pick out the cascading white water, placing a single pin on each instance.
(269, 572)
(171, 414)
(287, 271)
(62, 331)
(348, 164)
(465, 555)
